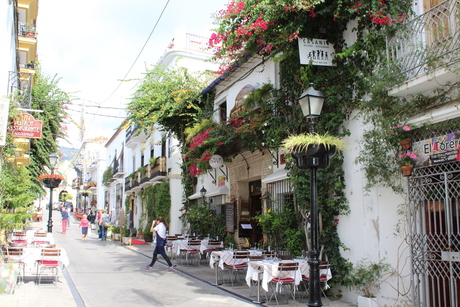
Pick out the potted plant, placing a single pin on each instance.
(366, 278)
(313, 150)
(116, 230)
(148, 237)
(407, 161)
(402, 135)
(153, 160)
(125, 238)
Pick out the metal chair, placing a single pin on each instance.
(193, 248)
(49, 261)
(268, 254)
(19, 237)
(40, 239)
(169, 245)
(213, 246)
(286, 277)
(16, 254)
(239, 263)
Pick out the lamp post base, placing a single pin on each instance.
(50, 225)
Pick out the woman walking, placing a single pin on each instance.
(65, 219)
(159, 226)
(105, 218)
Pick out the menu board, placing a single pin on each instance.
(229, 216)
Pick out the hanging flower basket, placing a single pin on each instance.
(315, 155)
(405, 144)
(51, 182)
(313, 150)
(407, 170)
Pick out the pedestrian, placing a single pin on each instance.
(104, 223)
(84, 223)
(65, 219)
(68, 220)
(98, 217)
(159, 226)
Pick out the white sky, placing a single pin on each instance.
(91, 44)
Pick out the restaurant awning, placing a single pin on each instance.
(280, 174)
(223, 190)
(195, 196)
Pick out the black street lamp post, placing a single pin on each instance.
(53, 159)
(311, 103)
(85, 194)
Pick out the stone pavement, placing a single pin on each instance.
(78, 285)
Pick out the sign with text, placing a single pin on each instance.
(317, 51)
(26, 126)
(440, 149)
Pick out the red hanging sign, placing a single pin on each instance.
(26, 126)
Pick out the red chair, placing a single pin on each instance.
(40, 239)
(286, 277)
(19, 237)
(213, 246)
(193, 248)
(49, 261)
(239, 264)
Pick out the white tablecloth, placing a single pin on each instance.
(177, 245)
(30, 237)
(226, 256)
(270, 270)
(31, 255)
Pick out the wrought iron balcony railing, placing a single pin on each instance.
(428, 42)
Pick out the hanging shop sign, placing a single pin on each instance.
(216, 161)
(440, 149)
(317, 51)
(26, 126)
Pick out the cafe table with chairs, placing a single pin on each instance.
(271, 271)
(35, 253)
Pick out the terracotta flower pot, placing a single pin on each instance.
(405, 144)
(407, 170)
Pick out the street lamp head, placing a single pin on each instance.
(203, 192)
(53, 158)
(311, 102)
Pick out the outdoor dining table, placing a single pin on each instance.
(226, 256)
(177, 245)
(269, 270)
(30, 236)
(32, 254)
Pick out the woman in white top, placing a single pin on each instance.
(159, 225)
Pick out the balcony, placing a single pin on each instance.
(130, 131)
(118, 171)
(132, 182)
(158, 170)
(20, 87)
(425, 48)
(28, 31)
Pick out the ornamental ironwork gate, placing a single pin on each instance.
(434, 233)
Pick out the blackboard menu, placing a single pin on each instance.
(229, 214)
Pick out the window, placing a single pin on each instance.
(223, 112)
(279, 195)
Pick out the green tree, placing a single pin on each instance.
(167, 97)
